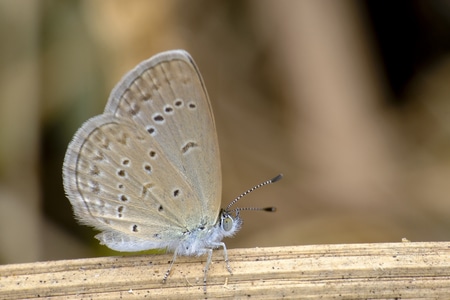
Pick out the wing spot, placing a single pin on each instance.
(121, 173)
(160, 208)
(158, 118)
(152, 154)
(134, 109)
(188, 146)
(94, 171)
(146, 188)
(123, 138)
(120, 211)
(176, 193)
(168, 109)
(178, 103)
(125, 162)
(123, 198)
(151, 130)
(146, 96)
(135, 228)
(192, 105)
(148, 168)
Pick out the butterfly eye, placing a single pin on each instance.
(227, 222)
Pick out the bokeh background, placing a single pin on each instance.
(348, 99)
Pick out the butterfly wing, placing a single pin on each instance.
(148, 169)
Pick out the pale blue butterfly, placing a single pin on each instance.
(146, 172)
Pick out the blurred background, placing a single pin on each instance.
(348, 99)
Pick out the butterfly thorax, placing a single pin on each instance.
(202, 238)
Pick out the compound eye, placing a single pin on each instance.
(227, 223)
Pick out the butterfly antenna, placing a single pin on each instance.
(273, 180)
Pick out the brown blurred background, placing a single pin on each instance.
(349, 99)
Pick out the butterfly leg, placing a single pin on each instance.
(225, 256)
(170, 267)
(205, 270)
(209, 260)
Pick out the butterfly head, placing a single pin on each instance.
(228, 223)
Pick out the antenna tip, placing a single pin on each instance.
(271, 209)
(276, 178)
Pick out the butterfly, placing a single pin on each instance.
(146, 172)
